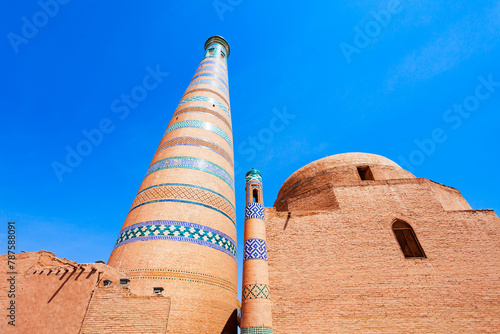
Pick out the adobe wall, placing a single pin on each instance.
(343, 271)
(52, 293)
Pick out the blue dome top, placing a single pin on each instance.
(253, 175)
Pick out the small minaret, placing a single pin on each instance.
(256, 304)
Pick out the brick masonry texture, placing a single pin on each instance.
(198, 143)
(190, 181)
(342, 270)
(113, 309)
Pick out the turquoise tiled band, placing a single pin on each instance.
(177, 231)
(205, 99)
(192, 163)
(257, 330)
(201, 125)
(212, 75)
(210, 83)
(212, 69)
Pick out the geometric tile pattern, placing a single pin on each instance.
(216, 46)
(254, 210)
(213, 62)
(201, 125)
(203, 110)
(212, 69)
(178, 231)
(206, 89)
(255, 249)
(211, 75)
(180, 275)
(192, 163)
(185, 193)
(257, 330)
(253, 177)
(192, 141)
(216, 50)
(212, 58)
(205, 99)
(208, 61)
(210, 83)
(256, 291)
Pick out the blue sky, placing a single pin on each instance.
(415, 81)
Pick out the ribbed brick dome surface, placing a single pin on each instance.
(340, 168)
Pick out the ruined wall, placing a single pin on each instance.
(23, 262)
(52, 293)
(343, 271)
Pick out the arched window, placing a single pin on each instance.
(407, 239)
(255, 195)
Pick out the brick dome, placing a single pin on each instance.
(338, 169)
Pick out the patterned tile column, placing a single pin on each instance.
(256, 304)
(180, 232)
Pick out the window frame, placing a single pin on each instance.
(411, 249)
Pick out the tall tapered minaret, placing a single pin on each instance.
(180, 233)
(255, 304)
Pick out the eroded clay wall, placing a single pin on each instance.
(52, 293)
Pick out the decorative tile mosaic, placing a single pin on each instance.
(212, 75)
(177, 231)
(253, 177)
(213, 62)
(205, 99)
(198, 142)
(203, 110)
(255, 249)
(213, 47)
(210, 83)
(200, 125)
(192, 163)
(186, 193)
(215, 54)
(207, 90)
(256, 291)
(217, 46)
(212, 69)
(257, 330)
(180, 275)
(254, 210)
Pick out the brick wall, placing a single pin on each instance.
(342, 270)
(113, 309)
